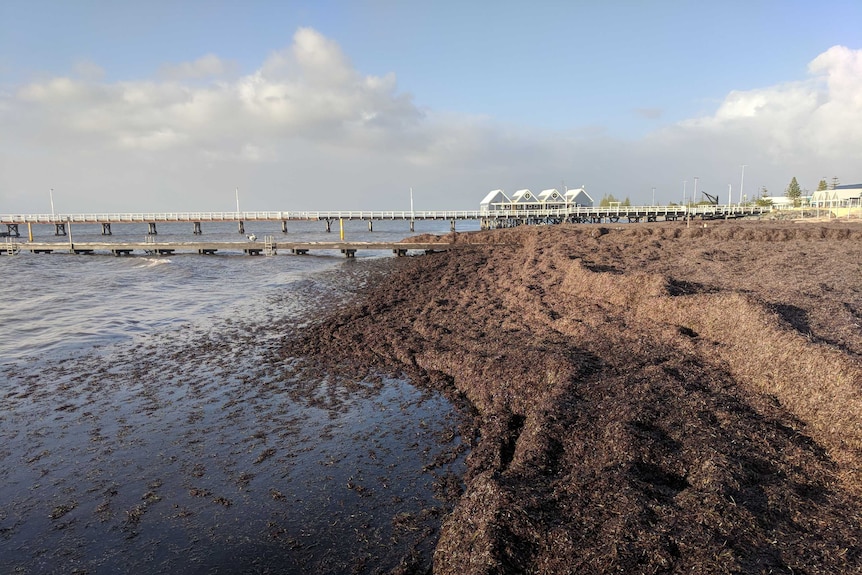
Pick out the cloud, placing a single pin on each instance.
(209, 66)
(307, 130)
(308, 90)
(806, 128)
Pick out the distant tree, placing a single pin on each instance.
(822, 185)
(607, 200)
(763, 201)
(794, 192)
(627, 201)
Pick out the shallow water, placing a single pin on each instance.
(150, 425)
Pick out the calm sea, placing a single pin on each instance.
(149, 425)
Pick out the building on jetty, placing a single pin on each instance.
(551, 199)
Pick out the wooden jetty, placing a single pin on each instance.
(266, 247)
(488, 219)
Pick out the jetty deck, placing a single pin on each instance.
(266, 247)
(488, 219)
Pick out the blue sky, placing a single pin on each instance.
(452, 98)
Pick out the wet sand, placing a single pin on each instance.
(207, 451)
(644, 398)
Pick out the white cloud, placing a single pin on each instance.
(806, 128)
(208, 66)
(306, 119)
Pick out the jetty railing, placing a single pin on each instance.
(410, 215)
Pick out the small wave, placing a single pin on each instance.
(151, 262)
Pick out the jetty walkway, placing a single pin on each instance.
(266, 247)
(488, 219)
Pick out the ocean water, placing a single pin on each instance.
(61, 303)
(150, 423)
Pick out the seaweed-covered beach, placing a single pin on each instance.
(644, 398)
(648, 398)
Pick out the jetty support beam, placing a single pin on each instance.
(151, 229)
(106, 228)
(328, 226)
(452, 226)
(197, 229)
(241, 227)
(59, 229)
(370, 225)
(284, 226)
(349, 252)
(412, 226)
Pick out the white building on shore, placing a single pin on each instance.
(838, 197)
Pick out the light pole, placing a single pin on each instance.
(694, 195)
(653, 196)
(237, 200)
(684, 182)
(566, 201)
(52, 203)
(741, 182)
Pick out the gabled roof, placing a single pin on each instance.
(495, 197)
(572, 193)
(524, 195)
(551, 195)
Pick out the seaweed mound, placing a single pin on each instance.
(650, 399)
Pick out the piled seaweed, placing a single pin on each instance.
(646, 399)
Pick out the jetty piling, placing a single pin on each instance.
(269, 247)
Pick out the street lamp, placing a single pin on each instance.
(653, 196)
(741, 182)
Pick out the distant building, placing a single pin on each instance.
(838, 197)
(494, 201)
(524, 199)
(579, 197)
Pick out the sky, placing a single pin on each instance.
(177, 106)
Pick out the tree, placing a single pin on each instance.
(607, 200)
(822, 185)
(794, 192)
